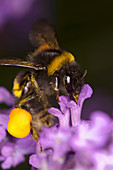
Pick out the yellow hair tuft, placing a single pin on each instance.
(58, 61)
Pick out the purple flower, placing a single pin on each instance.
(103, 160)
(57, 138)
(77, 145)
(12, 153)
(86, 92)
(56, 141)
(12, 150)
(95, 133)
(62, 115)
(70, 108)
(80, 146)
(8, 99)
(34, 161)
(86, 146)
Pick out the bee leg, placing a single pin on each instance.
(41, 149)
(24, 100)
(34, 133)
(57, 95)
(37, 89)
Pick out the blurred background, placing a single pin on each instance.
(84, 28)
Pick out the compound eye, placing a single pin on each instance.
(68, 84)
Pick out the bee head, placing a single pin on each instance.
(71, 80)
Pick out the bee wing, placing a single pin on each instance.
(20, 63)
(43, 34)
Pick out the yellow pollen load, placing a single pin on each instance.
(58, 61)
(19, 123)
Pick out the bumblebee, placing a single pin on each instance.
(50, 72)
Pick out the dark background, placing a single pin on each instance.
(84, 28)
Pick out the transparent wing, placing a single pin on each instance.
(43, 33)
(20, 63)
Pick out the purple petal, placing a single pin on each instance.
(63, 118)
(48, 143)
(103, 160)
(6, 97)
(65, 121)
(11, 153)
(100, 132)
(4, 120)
(54, 111)
(79, 139)
(71, 104)
(100, 118)
(63, 103)
(19, 158)
(85, 93)
(7, 163)
(2, 133)
(58, 141)
(2, 158)
(33, 160)
(64, 99)
(33, 168)
(76, 115)
(26, 145)
(94, 134)
(7, 151)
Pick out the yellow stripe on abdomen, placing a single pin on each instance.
(17, 91)
(58, 61)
